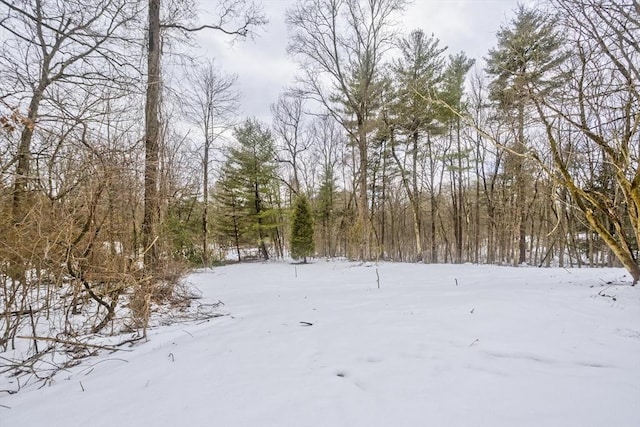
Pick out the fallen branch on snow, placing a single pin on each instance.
(74, 343)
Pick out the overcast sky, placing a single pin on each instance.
(264, 69)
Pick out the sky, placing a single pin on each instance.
(264, 68)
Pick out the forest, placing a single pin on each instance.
(125, 163)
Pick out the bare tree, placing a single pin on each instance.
(151, 217)
(53, 44)
(596, 116)
(288, 125)
(237, 18)
(210, 103)
(341, 44)
(328, 145)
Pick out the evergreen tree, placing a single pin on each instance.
(325, 209)
(182, 228)
(247, 188)
(230, 211)
(526, 51)
(302, 244)
(452, 93)
(453, 80)
(418, 74)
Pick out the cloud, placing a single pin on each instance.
(462, 25)
(262, 65)
(264, 69)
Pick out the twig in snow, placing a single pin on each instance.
(456, 281)
(602, 294)
(75, 343)
(33, 329)
(81, 386)
(306, 323)
(378, 276)
(131, 341)
(474, 342)
(606, 282)
(18, 312)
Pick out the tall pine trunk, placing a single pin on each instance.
(364, 238)
(520, 188)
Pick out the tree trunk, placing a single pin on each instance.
(152, 135)
(236, 233)
(476, 234)
(415, 199)
(205, 200)
(363, 207)
(24, 156)
(622, 253)
(460, 198)
(258, 205)
(412, 192)
(383, 219)
(520, 188)
(434, 249)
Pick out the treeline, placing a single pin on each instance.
(409, 153)
(111, 183)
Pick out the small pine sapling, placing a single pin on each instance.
(302, 245)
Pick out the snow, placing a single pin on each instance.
(435, 345)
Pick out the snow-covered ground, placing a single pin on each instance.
(321, 345)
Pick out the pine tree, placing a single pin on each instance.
(302, 244)
(452, 93)
(325, 209)
(418, 74)
(526, 51)
(248, 189)
(230, 211)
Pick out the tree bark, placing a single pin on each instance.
(364, 243)
(152, 136)
(520, 188)
(24, 155)
(205, 199)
